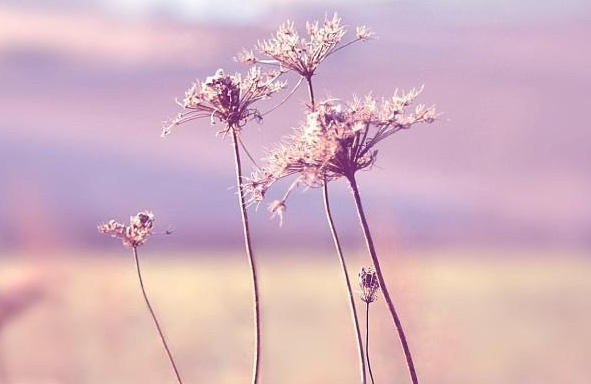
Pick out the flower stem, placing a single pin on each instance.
(251, 260)
(367, 341)
(339, 251)
(376, 263)
(160, 332)
(311, 92)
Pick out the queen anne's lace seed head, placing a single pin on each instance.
(287, 49)
(227, 99)
(337, 139)
(135, 234)
(369, 284)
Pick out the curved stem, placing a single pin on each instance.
(367, 342)
(151, 310)
(339, 251)
(376, 264)
(295, 88)
(251, 259)
(248, 153)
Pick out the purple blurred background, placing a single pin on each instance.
(84, 89)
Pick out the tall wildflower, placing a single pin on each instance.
(287, 50)
(140, 228)
(336, 140)
(229, 100)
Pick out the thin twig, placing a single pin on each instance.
(251, 259)
(339, 251)
(351, 296)
(311, 92)
(248, 153)
(286, 97)
(160, 332)
(378, 269)
(367, 342)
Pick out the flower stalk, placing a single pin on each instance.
(311, 92)
(382, 283)
(339, 251)
(345, 272)
(231, 99)
(140, 228)
(338, 138)
(367, 343)
(154, 318)
(251, 259)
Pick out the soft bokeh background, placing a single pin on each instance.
(483, 219)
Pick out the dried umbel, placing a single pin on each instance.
(337, 139)
(133, 235)
(286, 49)
(369, 284)
(227, 99)
(140, 227)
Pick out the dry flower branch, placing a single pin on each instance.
(141, 226)
(338, 139)
(230, 100)
(343, 263)
(287, 50)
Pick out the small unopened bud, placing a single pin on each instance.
(369, 284)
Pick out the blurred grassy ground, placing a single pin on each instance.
(518, 318)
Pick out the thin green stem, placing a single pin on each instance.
(367, 342)
(154, 318)
(384, 288)
(251, 259)
(351, 296)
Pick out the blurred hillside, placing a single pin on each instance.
(496, 320)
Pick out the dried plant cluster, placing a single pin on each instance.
(140, 227)
(287, 50)
(336, 139)
(227, 99)
(133, 235)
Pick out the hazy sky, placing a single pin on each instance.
(85, 89)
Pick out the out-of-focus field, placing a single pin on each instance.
(471, 318)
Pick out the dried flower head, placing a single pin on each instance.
(369, 284)
(135, 234)
(286, 49)
(226, 98)
(364, 33)
(337, 139)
